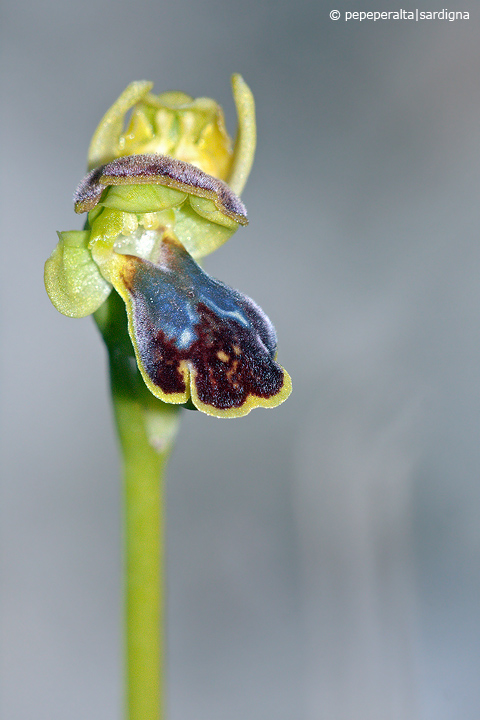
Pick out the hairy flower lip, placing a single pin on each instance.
(162, 170)
(195, 337)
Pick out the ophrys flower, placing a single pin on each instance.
(157, 201)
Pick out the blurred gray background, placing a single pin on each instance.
(324, 557)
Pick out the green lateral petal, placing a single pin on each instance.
(72, 278)
(246, 140)
(142, 198)
(105, 140)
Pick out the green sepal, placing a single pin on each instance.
(72, 279)
(142, 198)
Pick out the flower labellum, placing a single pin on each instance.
(159, 196)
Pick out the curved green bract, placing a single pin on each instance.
(72, 278)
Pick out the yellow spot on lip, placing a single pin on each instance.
(237, 350)
(231, 372)
(222, 356)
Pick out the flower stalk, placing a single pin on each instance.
(144, 565)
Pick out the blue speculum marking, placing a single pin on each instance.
(181, 314)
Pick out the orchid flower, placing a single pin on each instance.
(160, 196)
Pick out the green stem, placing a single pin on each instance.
(146, 428)
(144, 565)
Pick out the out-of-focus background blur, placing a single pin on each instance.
(323, 557)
